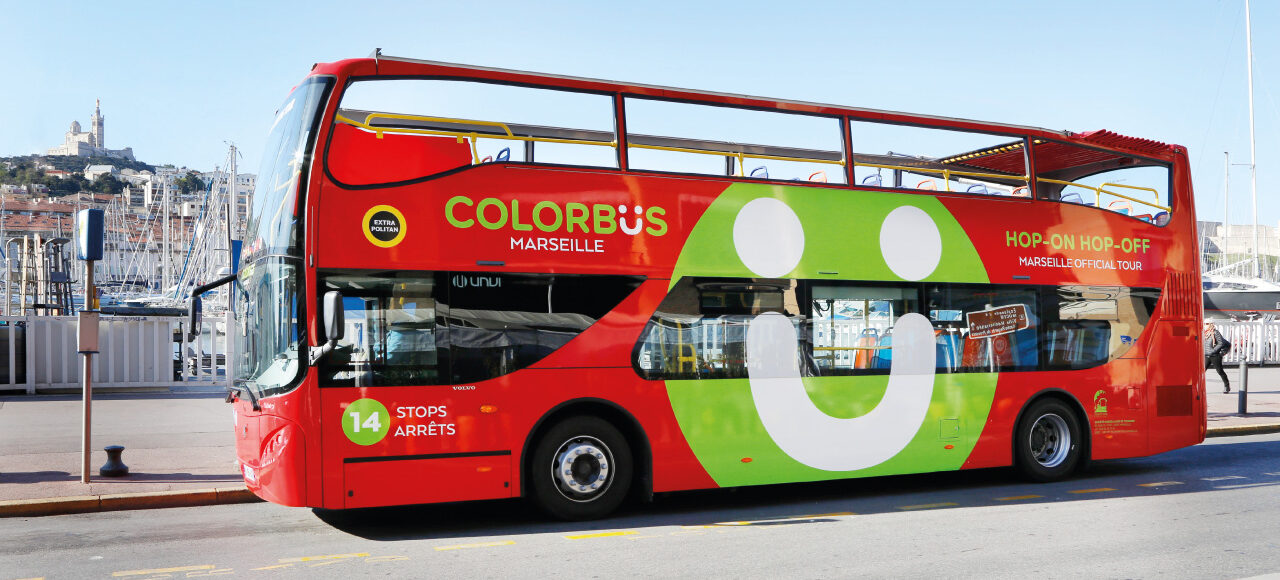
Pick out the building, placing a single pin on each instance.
(91, 143)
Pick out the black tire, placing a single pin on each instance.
(581, 469)
(1048, 443)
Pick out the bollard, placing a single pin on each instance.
(1242, 393)
(114, 466)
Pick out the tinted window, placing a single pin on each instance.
(984, 328)
(852, 325)
(1087, 326)
(409, 328)
(700, 329)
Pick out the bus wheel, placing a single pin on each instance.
(582, 469)
(1047, 444)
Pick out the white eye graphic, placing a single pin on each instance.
(910, 243)
(800, 429)
(768, 237)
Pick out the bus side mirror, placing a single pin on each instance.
(334, 317)
(193, 318)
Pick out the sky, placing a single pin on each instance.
(179, 81)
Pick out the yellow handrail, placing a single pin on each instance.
(460, 135)
(946, 173)
(740, 155)
(1098, 191)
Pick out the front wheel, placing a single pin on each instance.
(581, 470)
(1048, 442)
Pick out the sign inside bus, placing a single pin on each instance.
(997, 321)
(528, 221)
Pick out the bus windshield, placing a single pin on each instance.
(267, 303)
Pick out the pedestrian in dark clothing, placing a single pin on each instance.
(1215, 346)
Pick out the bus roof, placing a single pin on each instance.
(1101, 138)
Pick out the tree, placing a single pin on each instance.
(191, 182)
(106, 183)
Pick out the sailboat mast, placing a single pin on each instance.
(1253, 149)
(1226, 210)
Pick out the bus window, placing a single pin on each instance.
(689, 138)
(930, 159)
(1122, 184)
(392, 334)
(984, 328)
(852, 326)
(501, 323)
(700, 329)
(1092, 325)
(388, 131)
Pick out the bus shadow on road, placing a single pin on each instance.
(1203, 468)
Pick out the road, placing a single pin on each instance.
(1208, 511)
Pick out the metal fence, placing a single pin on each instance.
(38, 353)
(1257, 342)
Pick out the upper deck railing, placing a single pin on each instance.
(1002, 169)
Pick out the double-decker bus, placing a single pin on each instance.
(465, 283)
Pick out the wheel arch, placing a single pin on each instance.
(619, 417)
(1086, 430)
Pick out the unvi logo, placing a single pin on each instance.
(492, 213)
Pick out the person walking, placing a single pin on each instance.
(1215, 346)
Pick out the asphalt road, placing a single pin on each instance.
(1209, 511)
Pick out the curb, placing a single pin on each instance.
(1236, 430)
(125, 501)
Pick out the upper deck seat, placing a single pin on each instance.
(978, 188)
(762, 171)
(873, 180)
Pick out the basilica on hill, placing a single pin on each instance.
(89, 143)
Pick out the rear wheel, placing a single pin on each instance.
(1048, 443)
(581, 470)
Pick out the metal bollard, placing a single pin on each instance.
(114, 466)
(1242, 393)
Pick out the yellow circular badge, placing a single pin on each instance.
(384, 226)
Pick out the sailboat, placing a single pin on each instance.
(1238, 291)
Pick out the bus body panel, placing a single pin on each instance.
(452, 442)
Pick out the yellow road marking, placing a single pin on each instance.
(154, 571)
(386, 559)
(772, 520)
(599, 535)
(1018, 497)
(325, 563)
(40, 578)
(218, 572)
(1094, 490)
(925, 506)
(328, 557)
(272, 567)
(1222, 478)
(479, 545)
(1160, 484)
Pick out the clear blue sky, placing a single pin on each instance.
(179, 79)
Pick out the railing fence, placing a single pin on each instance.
(39, 353)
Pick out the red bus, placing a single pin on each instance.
(466, 283)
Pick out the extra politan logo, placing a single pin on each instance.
(384, 226)
(572, 224)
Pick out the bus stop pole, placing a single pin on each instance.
(90, 238)
(85, 320)
(1242, 392)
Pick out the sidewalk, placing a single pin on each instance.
(180, 447)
